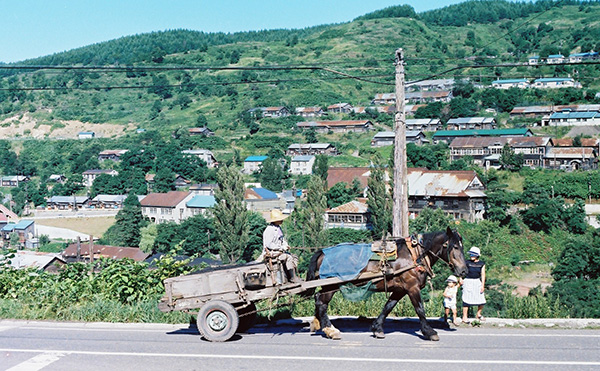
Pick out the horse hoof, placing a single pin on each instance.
(434, 337)
(315, 325)
(332, 333)
(379, 335)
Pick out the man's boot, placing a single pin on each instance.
(292, 276)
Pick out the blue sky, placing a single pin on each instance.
(33, 28)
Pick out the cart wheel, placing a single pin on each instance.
(247, 318)
(217, 321)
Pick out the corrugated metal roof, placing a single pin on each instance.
(391, 134)
(169, 199)
(570, 152)
(109, 198)
(256, 158)
(113, 252)
(259, 194)
(347, 175)
(471, 120)
(574, 115)
(34, 259)
(483, 132)
(513, 81)
(303, 158)
(441, 183)
(334, 123)
(68, 199)
(568, 142)
(309, 146)
(553, 79)
(352, 207)
(201, 201)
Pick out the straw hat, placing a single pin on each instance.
(474, 251)
(276, 216)
(452, 278)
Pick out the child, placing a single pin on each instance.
(450, 298)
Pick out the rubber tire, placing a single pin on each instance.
(217, 321)
(247, 321)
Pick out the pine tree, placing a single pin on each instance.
(231, 216)
(311, 214)
(129, 221)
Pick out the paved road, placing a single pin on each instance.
(289, 346)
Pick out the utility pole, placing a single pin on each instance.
(400, 206)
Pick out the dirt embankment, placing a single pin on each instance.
(25, 126)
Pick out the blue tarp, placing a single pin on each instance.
(345, 260)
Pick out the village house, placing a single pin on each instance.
(42, 261)
(67, 202)
(7, 216)
(13, 180)
(449, 135)
(86, 135)
(533, 60)
(203, 154)
(423, 124)
(571, 158)
(342, 126)
(428, 85)
(486, 151)
(57, 178)
(429, 96)
(340, 108)
(25, 229)
(204, 189)
(166, 207)
(460, 194)
(471, 123)
(302, 165)
(310, 111)
(253, 164)
(201, 204)
(384, 98)
(546, 111)
(580, 57)
(112, 154)
(555, 83)
(555, 59)
(204, 131)
(270, 111)
(569, 118)
(411, 109)
(90, 175)
(386, 138)
(261, 199)
(107, 201)
(299, 149)
(514, 83)
(353, 215)
(89, 252)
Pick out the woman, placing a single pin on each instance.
(474, 285)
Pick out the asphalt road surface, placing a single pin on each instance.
(290, 346)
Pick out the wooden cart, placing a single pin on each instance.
(225, 297)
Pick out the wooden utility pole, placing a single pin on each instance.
(400, 207)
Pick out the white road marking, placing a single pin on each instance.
(38, 362)
(60, 353)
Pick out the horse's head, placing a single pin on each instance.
(453, 253)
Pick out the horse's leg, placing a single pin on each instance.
(417, 302)
(377, 326)
(321, 321)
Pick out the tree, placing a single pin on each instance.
(340, 193)
(198, 232)
(256, 227)
(510, 160)
(147, 237)
(312, 211)
(128, 222)
(321, 166)
(231, 216)
(272, 176)
(430, 220)
(379, 199)
(311, 135)
(164, 180)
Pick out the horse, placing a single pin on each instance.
(409, 277)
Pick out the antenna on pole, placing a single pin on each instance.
(400, 205)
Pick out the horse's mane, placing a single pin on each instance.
(429, 237)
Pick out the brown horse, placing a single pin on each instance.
(411, 278)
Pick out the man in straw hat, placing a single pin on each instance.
(276, 247)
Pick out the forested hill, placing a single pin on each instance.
(184, 84)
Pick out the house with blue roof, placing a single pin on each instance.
(25, 229)
(580, 57)
(302, 165)
(570, 118)
(200, 204)
(533, 60)
(513, 83)
(555, 82)
(555, 59)
(253, 163)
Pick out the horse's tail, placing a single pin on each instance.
(313, 270)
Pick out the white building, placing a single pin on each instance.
(302, 165)
(507, 84)
(253, 163)
(203, 154)
(166, 207)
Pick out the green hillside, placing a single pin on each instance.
(189, 86)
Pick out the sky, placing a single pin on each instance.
(34, 28)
